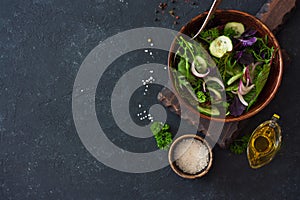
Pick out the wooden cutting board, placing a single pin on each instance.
(273, 14)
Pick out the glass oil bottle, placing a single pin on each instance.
(264, 143)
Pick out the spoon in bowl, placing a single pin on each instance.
(211, 11)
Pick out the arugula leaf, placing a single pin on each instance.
(260, 82)
(181, 66)
(262, 78)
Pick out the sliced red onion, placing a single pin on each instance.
(194, 70)
(254, 66)
(197, 74)
(216, 92)
(204, 86)
(247, 74)
(215, 79)
(241, 98)
(245, 89)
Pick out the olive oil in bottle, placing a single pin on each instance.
(264, 143)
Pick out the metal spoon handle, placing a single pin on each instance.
(211, 11)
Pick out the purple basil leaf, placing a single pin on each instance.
(249, 33)
(248, 42)
(246, 59)
(238, 55)
(263, 55)
(236, 108)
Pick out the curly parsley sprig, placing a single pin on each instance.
(162, 135)
(239, 146)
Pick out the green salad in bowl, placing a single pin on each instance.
(228, 65)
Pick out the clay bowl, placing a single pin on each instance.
(172, 160)
(275, 75)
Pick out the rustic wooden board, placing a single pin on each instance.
(272, 14)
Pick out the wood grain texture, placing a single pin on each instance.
(273, 12)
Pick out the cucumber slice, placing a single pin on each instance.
(237, 27)
(220, 46)
(212, 111)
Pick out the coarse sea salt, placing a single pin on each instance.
(191, 155)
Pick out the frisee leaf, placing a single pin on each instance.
(201, 97)
(210, 34)
(230, 32)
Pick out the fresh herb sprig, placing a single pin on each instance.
(210, 34)
(239, 146)
(162, 135)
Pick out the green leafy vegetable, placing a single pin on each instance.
(260, 82)
(230, 32)
(244, 69)
(201, 97)
(210, 34)
(239, 146)
(162, 135)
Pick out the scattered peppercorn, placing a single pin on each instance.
(162, 8)
(163, 5)
(172, 13)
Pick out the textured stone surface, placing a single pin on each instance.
(43, 43)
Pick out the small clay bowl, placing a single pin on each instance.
(172, 160)
(222, 17)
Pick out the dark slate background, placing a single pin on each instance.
(43, 43)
